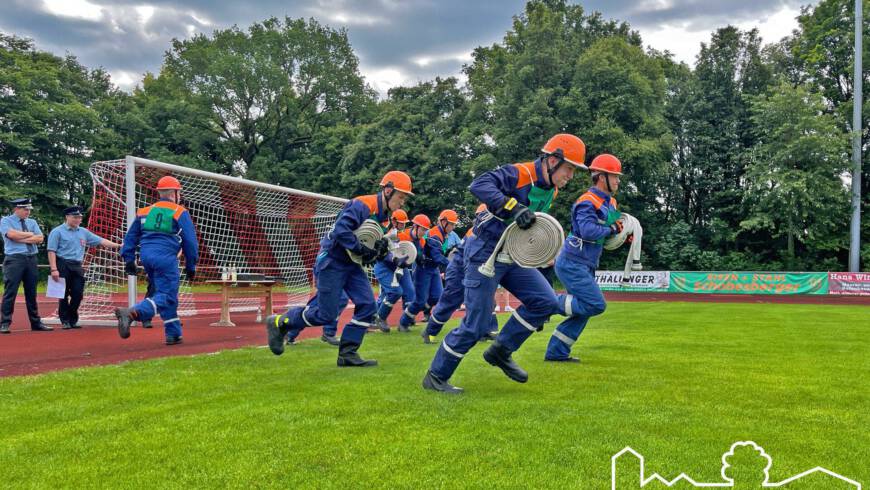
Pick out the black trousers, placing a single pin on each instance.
(19, 268)
(68, 306)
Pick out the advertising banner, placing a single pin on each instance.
(857, 283)
(749, 282)
(639, 281)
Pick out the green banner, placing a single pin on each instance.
(749, 282)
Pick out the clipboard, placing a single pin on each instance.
(56, 289)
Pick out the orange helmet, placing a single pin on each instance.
(168, 183)
(480, 208)
(567, 147)
(450, 215)
(397, 180)
(400, 215)
(606, 163)
(422, 220)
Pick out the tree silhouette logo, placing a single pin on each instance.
(744, 466)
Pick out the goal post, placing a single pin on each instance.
(249, 226)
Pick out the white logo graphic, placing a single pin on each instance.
(727, 470)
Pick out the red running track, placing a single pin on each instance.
(24, 352)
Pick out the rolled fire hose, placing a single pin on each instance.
(403, 250)
(535, 247)
(368, 233)
(630, 226)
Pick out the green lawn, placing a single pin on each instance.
(679, 382)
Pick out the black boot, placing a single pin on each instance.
(427, 339)
(498, 355)
(330, 339)
(432, 382)
(125, 316)
(382, 324)
(348, 357)
(276, 331)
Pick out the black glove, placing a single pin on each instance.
(400, 262)
(130, 268)
(382, 247)
(523, 216)
(368, 255)
(190, 273)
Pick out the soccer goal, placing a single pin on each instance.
(242, 225)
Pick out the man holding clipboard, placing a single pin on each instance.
(66, 250)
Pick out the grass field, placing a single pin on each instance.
(679, 382)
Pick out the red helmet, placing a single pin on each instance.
(450, 215)
(398, 180)
(168, 183)
(568, 147)
(422, 220)
(400, 215)
(606, 163)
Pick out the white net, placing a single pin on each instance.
(242, 225)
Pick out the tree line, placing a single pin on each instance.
(741, 162)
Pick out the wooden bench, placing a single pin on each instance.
(242, 289)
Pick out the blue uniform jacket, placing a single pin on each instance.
(495, 188)
(354, 213)
(181, 237)
(591, 218)
(433, 250)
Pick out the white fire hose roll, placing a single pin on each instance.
(368, 233)
(630, 226)
(403, 250)
(534, 247)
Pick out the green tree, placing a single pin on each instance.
(49, 129)
(270, 89)
(729, 68)
(823, 50)
(794, 186)
(521, 84)
(419, 130)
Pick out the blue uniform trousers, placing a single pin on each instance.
(336, 282)
(164, 277)
(390, 294)
(452, 296)
(331, 328)
(527, 285)
(427, 289)
(584, 300)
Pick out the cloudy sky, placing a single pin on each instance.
(399, 42)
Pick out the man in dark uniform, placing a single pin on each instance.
(66, 250)
(21, 235)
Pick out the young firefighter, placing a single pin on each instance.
(336, 272)
(385, 271)
(510, 192)
(427, 276)
(420, 224)
(454, 292)
(160, 231)
(594, 218)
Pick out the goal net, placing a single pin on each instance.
(241, 225)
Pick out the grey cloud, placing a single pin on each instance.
(697, 14)
(384, 33)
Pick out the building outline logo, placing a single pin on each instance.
(728, 481)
